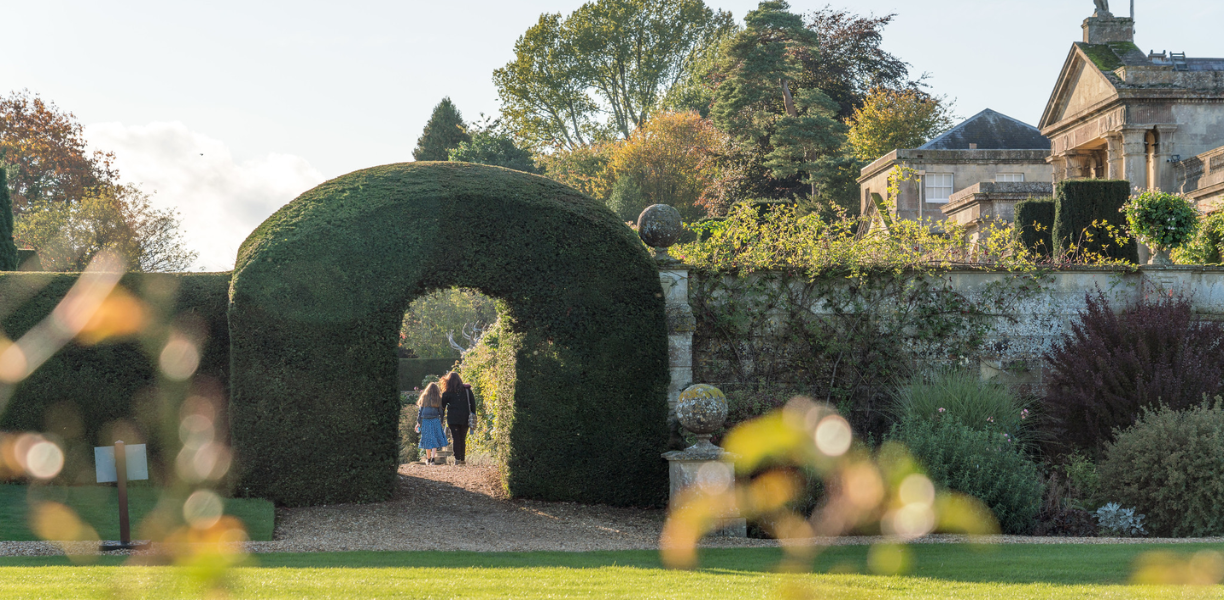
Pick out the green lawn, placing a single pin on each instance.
(99, 506)
(939, 571)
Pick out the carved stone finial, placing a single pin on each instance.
(660, 226)
(1102, 8)
(702, 409)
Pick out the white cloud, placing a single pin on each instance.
(219, 200)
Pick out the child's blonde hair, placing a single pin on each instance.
(431, 397)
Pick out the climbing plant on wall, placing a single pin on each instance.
(807, 305)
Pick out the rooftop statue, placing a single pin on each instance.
(1103, 8)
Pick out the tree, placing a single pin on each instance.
(445, 313)
(48, 148)
(618, 57)
(584, 168)
(8, 248)
(760, 100)
(851, 63)
(891, 119)
(492, 145)
(443, 133)
(67, 235)
(666, 161)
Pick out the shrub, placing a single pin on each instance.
(1110, 366)
(1204, 248)
(1161, 220)
(8, 248)
(962, 395)
(318, 297)
(1117, 521)
(982, 464)
(1087, 219)
(83, 391)
(1170, 465)
(1035, 225)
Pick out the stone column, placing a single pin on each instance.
(1059, 165)
(1134, 156)
(1166, 179)
(681, 323)
(1114, 155)
(660, 226)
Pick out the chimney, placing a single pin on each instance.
(1108, 29)
(972, 145)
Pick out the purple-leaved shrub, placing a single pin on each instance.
(1111, 365)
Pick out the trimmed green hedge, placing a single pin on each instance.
(1079, 203)
(413, 370)
(1035, 224)
(101, 384)
(320, 290)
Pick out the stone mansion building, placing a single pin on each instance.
(1156, 120)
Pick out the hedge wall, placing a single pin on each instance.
(1080, 202)
(1035, 224)
(413, 370)
(82, 391)
(321, 287)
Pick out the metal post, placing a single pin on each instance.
(125, 533)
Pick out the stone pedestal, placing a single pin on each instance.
(681, 323)
(708, 466)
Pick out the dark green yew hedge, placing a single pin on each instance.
(99, 385)
(321, 287)
(1081, 202)
(1035, 223)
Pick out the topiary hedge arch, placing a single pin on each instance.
(319, 291)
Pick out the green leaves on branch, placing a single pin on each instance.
(782, 239)
(1160, 219)
(490, 144)
(613, 57)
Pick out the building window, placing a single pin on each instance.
(938, 187)
(1009, 178)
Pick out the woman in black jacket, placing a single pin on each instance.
(460, 405)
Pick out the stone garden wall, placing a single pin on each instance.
(1017, 339)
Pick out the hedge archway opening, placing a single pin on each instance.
(319, 291)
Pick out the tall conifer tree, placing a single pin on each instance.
(8, 248)
(760, 100)
(443, 133)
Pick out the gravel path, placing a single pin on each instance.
(464, 508)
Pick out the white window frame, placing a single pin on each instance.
(942, 182)
(1009, 178)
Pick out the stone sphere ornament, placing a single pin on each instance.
(702, 409)
(660, 226)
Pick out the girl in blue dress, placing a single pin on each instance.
(429, 422)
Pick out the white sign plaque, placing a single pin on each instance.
(137, 463)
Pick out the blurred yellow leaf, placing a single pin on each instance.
(120, 314)
(772, 437)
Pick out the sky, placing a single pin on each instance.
(226, 110)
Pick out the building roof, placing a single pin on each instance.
(990, 130)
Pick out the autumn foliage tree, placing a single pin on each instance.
(47, 145)
(68, 235)
(891, 119)
(68, 202)
(667, 161)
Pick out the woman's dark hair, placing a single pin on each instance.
(451, 383)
